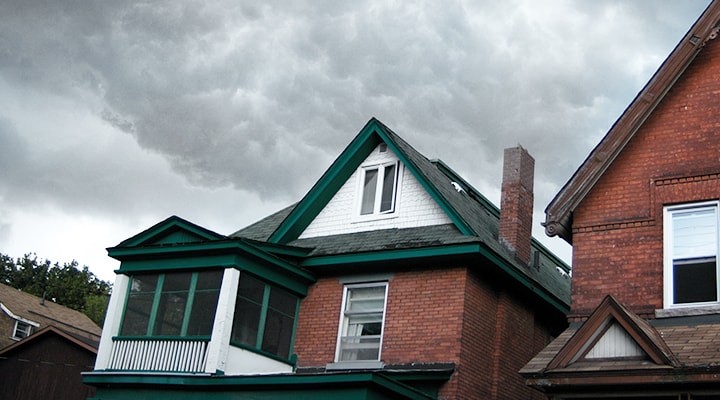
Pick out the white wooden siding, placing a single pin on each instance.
(158, 355)
(414, 206)
(615, 343)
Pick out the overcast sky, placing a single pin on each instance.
(115, 115)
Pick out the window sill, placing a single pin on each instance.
(347, 365)
(687, 311)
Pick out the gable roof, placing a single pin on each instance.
(685, 346)
(558, 214)
(473, 229)
(607, 313)
(79, 341)
(373, 133)
(47, 313)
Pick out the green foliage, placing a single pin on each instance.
(67, 284)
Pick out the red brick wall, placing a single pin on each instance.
(673, 158)
(442, 315)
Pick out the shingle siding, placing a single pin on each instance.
(414, 206)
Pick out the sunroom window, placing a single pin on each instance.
(172, 304)
(362, 322)
(691, 249)
(379, 189)
(264, 317)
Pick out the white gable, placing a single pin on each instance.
(413, 205)
(615, 343)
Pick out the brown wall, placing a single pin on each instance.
(673, 158)
(46, 368)
(441, 315)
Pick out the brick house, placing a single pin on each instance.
(642, 216)
(393, 278)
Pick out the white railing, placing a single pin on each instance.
(166, 355)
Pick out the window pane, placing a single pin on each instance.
(173, 299)
(369, 188)
(209, 280)
(278, 333)
(204, 305)
(386, 203)
(248, 307)
(694, 233)
(139, 304)
(695, 281)
(279, 322)
(251, 288)
(366, 299)
(283, 302)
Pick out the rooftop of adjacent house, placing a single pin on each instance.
(47, 313)
(687, 343)
(475, 222)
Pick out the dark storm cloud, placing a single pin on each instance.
(262, 96)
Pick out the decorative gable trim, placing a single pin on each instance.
(372, 134)
(639, 338)
(558, 214)
(171, 231)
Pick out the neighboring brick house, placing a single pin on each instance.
(393, 278)
(642, 213)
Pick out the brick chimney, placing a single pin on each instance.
(516, 202)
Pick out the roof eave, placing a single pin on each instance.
(558, 214)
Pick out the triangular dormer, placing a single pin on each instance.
(613, 333)
(377, 156)
(172, 230)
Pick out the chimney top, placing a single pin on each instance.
(516, 202)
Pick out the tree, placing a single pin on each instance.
(68, 285)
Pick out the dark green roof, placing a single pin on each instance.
(474, 227)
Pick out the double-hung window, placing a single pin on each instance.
(691, 254)
(362, 321)
(379, 188)
(264, 317)
(172, 304)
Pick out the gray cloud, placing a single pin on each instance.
(100, 97)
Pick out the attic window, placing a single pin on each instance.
(382, 148)
(22, 330)
(379, 189)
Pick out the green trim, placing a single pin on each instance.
(328, 184)
(323, 385)
(467, 249)
(167, 227)
(190, 301)
(155, 304)
(235, 253)
(263, 316)
(164, 337)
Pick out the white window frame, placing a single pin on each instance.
(24, 332)
(380, 167)
(668, 256)
(344, 319)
